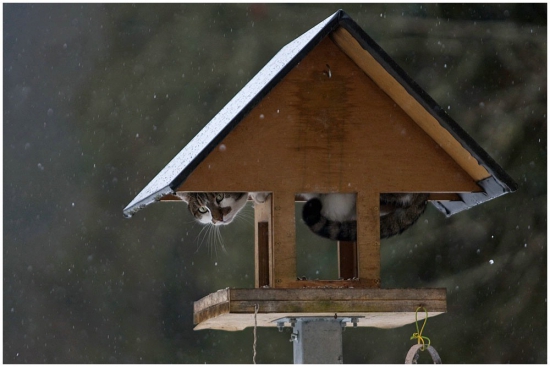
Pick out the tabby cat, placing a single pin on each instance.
(328, 215)
(333, 215)
(218, 208)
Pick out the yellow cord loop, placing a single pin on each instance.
(418, 335)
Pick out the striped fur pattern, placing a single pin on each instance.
(333, 215)
(218, 208)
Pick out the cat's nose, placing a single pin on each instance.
(217, 216)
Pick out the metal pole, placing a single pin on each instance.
(317, 340)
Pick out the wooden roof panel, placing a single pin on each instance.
(387, 75)
(209, 137)
(316, 133)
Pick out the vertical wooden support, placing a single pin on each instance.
(262, 257)
(284, 240)
(263, 243)
(347, 259)
(368, 238)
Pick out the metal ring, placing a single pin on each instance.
(414, 354)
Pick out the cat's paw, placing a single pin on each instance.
(259, 197)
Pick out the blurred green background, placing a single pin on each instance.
(98, 99)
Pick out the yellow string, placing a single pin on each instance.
(418, 334)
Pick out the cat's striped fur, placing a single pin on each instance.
(328, 215)
(397, 213)
(218, 208)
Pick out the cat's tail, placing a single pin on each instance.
(402, 217)
(324, 227)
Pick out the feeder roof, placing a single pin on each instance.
(491, 178)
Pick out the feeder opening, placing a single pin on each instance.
(325, 236)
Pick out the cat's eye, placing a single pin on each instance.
(219, 197)
(203, 209)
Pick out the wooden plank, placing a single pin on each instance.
(263, 242)
(284, 239)
(409, 104)
(384, 308)
(210, 312)
(337, 306)
(347, 259)
(293, 294)
(221, 296)
(262, 262)
(170, 198)
(354, 283)
(299, 198)
(240, 321)
(368, 236)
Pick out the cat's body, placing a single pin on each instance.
(328, 215)
(333, 215)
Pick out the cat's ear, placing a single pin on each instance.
(183, 196)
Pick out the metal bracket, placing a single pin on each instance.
(291, 321)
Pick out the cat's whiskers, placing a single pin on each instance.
(211, 245)
(246, 215)
(220, 240)
(201, 241)
(190, 221)
(246, 218)
(230, 204)
(211, 235)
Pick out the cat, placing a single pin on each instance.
(218, 208)
(327, 215)
(333, 215)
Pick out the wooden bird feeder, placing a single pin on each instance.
(331, 112)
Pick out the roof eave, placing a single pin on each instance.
(133, 208)
(497, 184)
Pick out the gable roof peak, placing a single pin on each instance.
(490, 176)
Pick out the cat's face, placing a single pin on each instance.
(218, 208)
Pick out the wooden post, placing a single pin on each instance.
(368, 238)
(263, 242)
(347, 259)
(284, 240)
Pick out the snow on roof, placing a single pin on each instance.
(231, 114)
(179, 168)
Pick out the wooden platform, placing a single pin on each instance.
(233, 309)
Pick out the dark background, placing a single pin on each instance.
(99, 98)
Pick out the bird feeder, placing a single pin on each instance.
(331, 112)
